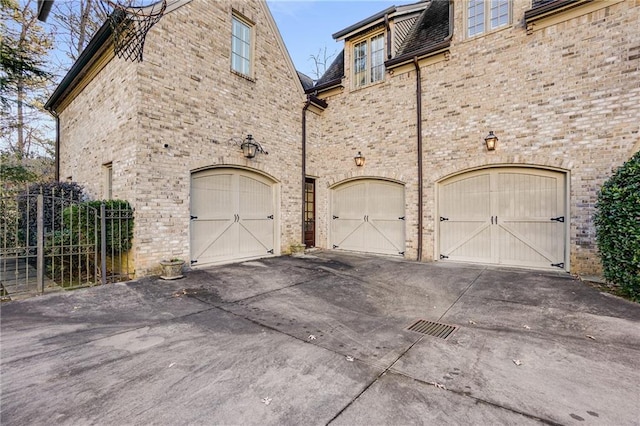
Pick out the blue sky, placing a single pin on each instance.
(306, 25)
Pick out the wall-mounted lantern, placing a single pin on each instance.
(250, 147)
(359, 159)
(491, 141)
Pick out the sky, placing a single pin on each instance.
(307, 25)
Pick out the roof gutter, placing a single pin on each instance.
(328, 85)
(78, 69)
(408, 58)
(367, 21)
(552, 8)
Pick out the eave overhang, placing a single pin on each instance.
(98, 44)
(552, 8)
(418, 54)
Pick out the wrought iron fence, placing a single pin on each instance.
(50, 243)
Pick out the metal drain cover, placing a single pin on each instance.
(431, 328)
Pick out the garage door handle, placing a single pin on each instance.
(492, 220)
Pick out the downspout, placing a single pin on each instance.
(388, 28)
(419, 135)
(304, 162)
(56, 175)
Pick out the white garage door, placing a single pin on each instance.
(368, 216)
(509, 216)
(232, 216)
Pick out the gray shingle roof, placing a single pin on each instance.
(334, 73)
(307, 82)
(430, 30)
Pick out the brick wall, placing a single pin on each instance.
(565, 97)
(184, 96)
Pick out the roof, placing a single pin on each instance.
(333, 75)
(545, 7)
(307, 82)
(431, 32)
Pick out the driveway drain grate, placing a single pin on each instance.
(431, 328)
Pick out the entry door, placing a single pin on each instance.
(232, 216)
(310, 212)
(510, 216)
(368, 216)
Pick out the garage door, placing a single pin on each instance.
(509, 216)
(368, 216)
(232, 216)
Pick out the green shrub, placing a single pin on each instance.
(57, 195)
(84, 223)
(618, 227)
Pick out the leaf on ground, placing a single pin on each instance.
(266, 400)
(439, 385)
(472, 322)
(350, 358)
(517, 362)
(526, 326)
(312, 337)
(591, 337)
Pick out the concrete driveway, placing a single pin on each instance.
(323, 339)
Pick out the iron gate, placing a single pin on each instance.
(50, 243)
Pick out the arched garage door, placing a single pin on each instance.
(509, 216)
(232, 215)
(368, 215)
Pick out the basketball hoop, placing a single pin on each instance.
(130, 22)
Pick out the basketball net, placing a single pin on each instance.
(130, 25)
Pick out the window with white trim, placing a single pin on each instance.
(241, 46)
(368, 60)
(487, 15)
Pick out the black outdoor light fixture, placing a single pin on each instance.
(359, 159)
(491, 140)
(250, 147)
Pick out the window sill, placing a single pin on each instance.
(356, 88)
(486, 33)
(244, 76)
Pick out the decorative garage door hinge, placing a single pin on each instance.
(270, 216)
(442, 256)
(336, 217)
(401, 253)
(558, 265)
(335, 246)
(401, 218)
(194, 217)
(194, 261)
(442, 219)
(558, 219)
(270, 251)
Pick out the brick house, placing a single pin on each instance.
(415, 93)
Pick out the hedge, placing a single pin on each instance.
(618, 228)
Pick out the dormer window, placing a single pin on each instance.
(487, 15)
(368, 60)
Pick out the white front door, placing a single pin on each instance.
(509, 216)
(232, 216)
(368, 216)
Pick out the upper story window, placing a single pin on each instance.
(487, 15)
(241, 46)
(368, 60)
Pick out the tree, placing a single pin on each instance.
(24, 46)
(321, 61)
(77, 21)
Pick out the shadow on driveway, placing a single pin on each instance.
(323, 339)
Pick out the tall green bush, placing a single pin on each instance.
(618, 227)
(56, 196)
(83, 220)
